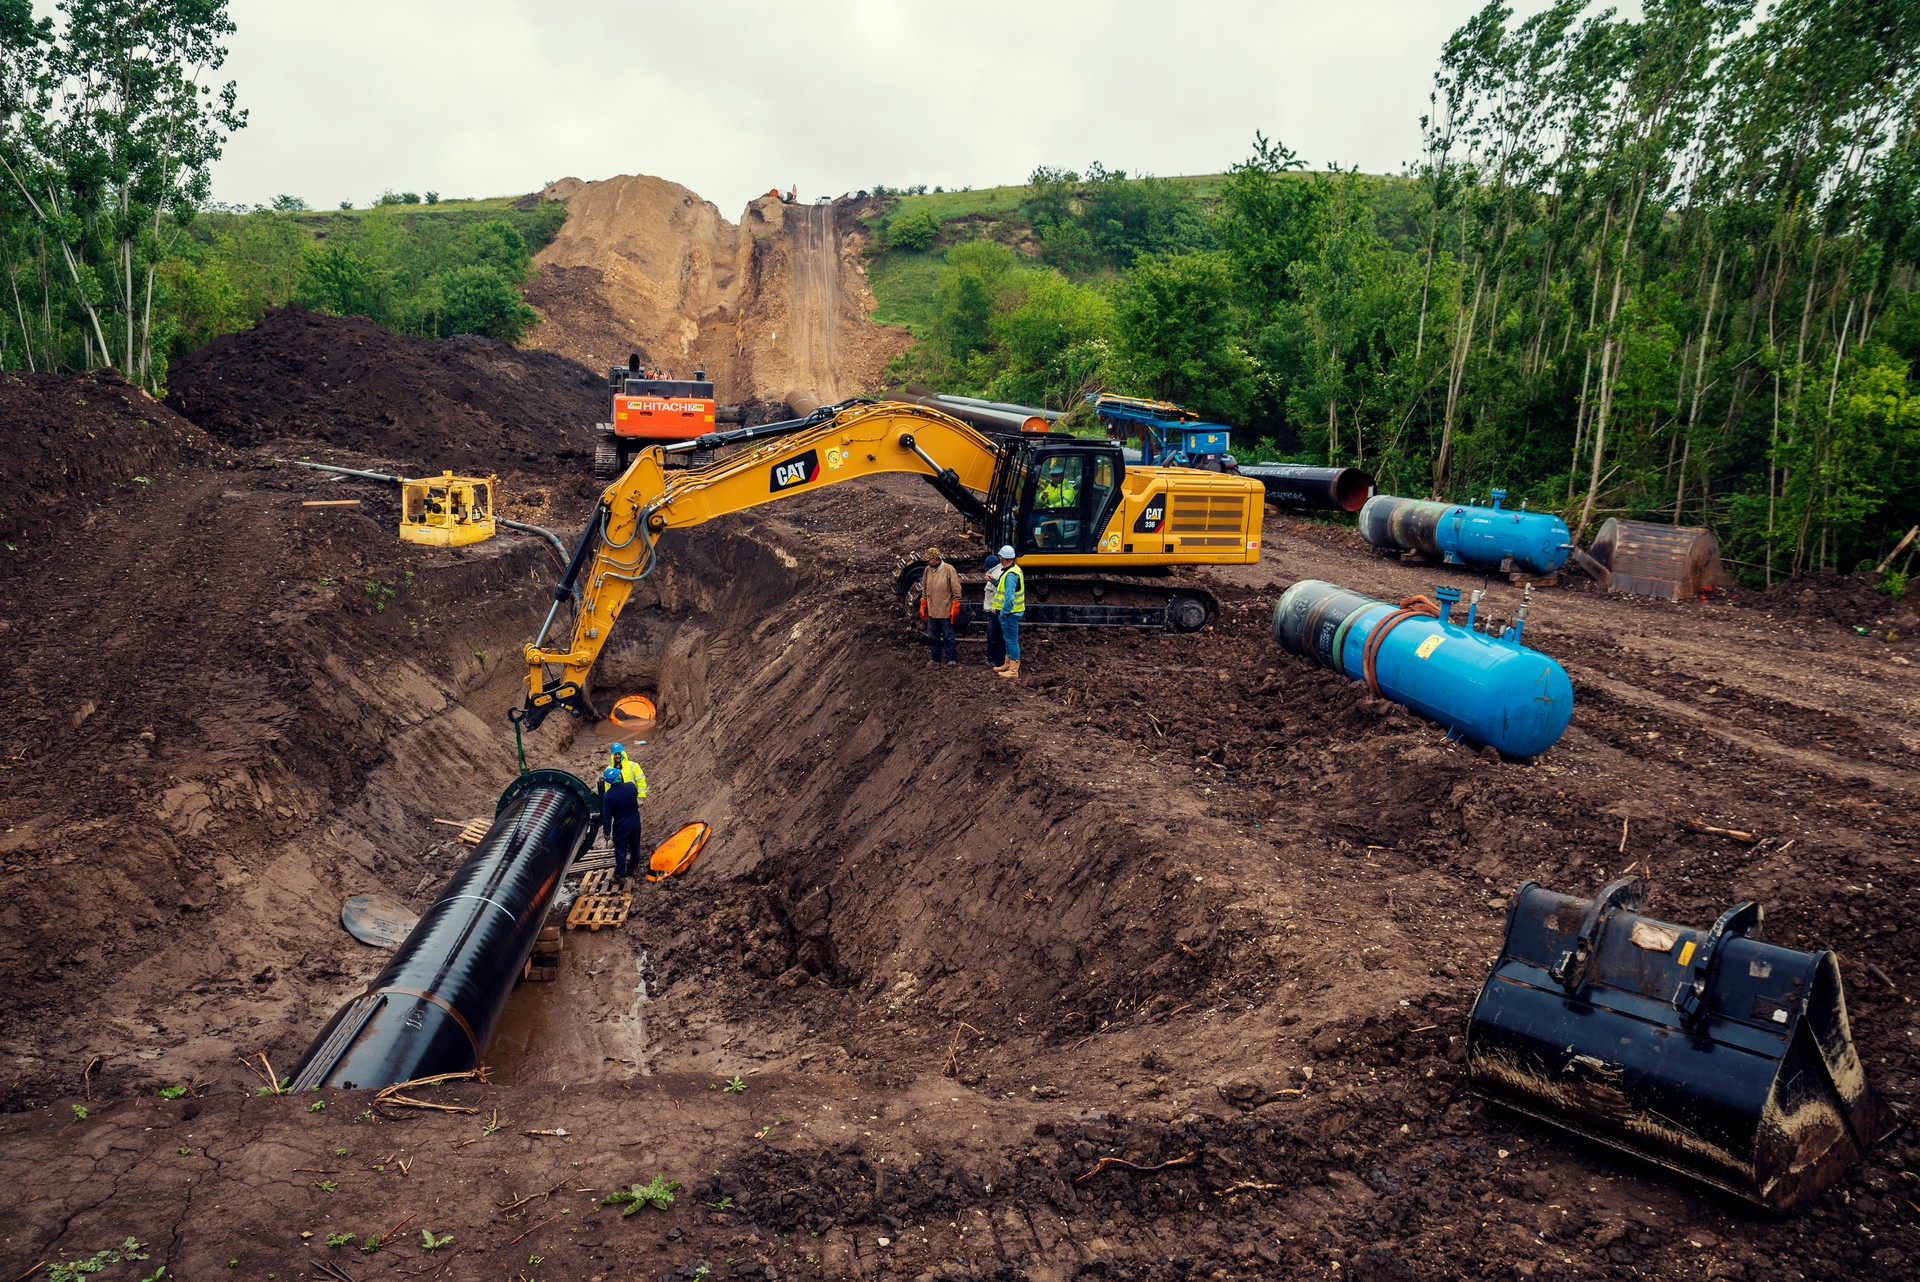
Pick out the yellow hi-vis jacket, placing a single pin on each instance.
(630, 772)
(1010, 594)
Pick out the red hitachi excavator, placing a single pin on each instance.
(650, 407)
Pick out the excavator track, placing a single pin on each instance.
(1071, 600)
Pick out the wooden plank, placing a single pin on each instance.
(331, 503)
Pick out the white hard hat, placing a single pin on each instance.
(1006, 552)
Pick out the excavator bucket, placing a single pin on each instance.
(1643, 558)
(1708, 1052)
(676, 854)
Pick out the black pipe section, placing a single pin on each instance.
(433, 1008)
(1329, 489)
(783, 427)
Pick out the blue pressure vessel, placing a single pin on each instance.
(1536, 542)
(1486, 689)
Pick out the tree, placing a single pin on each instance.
(107, 134)
(1178, 333)
(284, 204)
(479, 299)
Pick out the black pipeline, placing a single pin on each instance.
(433, 1008)
(1327, 489)
(1707, 1051)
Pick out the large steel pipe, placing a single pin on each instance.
(433, 1008)
(1006, 407)
(1006, 422)
(1489, 537)
(1487, 689)
(1332, 489)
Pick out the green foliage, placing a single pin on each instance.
(1178, 332)
(1657, 265)
(79, 1270)
(481, 299)
(339, 1239)
(1893, 583)
(108, 129)
(657, 1193)
(429, 1242)
(172, 1092)
(914, 229)
(80, 1112)
(735, 1085)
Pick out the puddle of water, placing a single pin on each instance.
(581, 1027)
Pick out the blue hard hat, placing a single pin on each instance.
(611, 774)
(617, 749)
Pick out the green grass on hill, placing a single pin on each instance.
(903, 287)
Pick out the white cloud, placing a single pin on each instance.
(731, 97)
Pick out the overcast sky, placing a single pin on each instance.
(731, 97)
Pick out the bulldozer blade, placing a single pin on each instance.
(1708, 1052)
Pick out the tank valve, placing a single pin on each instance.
(1448, 597)
(1473, 607)
(1520, 616)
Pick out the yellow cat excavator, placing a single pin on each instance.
(1098, 539)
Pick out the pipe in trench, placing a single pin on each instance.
(433, 1008)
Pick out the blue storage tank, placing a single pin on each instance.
(1536, 542)
(1486, 689)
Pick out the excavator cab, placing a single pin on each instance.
(1053, 494)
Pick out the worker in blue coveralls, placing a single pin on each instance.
(620, 816)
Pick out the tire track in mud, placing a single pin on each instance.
(816, 277)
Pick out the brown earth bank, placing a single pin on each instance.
(773, 307)
(1179, 901)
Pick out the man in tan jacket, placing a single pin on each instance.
(940, 607)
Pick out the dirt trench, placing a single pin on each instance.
(1185, 903)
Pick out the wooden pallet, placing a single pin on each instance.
(543, 964)
(598, 905)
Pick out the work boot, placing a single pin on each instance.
(1012, 671)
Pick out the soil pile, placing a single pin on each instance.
(775, 305)
(466, 403)
(75, 442)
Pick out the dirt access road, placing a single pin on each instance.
(1179, 901)
(773, 306)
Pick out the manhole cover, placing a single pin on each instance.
(380, 920)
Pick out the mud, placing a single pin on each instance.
(1182, 902)
(466, 403)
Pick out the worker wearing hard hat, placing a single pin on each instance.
(630, 772)
(1010, 603)
(620, 816)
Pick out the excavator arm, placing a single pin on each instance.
(619, 546)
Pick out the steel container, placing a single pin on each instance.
(1486, 689)
(1709, 1052)
(1494, 538)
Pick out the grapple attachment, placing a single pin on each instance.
(1724, 1058)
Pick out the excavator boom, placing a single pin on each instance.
(1066, 504)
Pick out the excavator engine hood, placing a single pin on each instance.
(1709, 1052)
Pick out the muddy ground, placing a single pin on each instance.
(1184, 902)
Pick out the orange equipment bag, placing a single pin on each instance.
(676, 854)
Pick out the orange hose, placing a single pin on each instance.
(1414, 607)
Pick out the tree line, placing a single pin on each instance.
(112, 253)
(1658, 267)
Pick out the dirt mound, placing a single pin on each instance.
(466, 403)
(1846, 601)
(561, 189)
(777, 304)
(72, 442)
